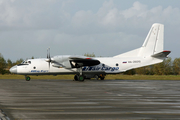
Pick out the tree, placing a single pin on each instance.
(130, 72)
(176, 66)
(168, 66)
(164, 68)
(18, 61)
(2, 65)
(143, 70)
(89, 55)
(9, 64)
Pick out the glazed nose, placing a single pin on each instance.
(13, 69)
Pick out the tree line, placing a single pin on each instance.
(167, 67)
(5, 65)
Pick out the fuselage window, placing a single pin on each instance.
(34, 67)
(29, 62)
(117, 64)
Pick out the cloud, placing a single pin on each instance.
(45, 23)
(110, 18)
(52, 14)
(136, 10)
(32, 14)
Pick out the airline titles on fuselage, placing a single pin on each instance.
(39, 71)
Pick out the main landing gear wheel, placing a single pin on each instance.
(27, 78)
(102, 78)
(76, 77)
(81, 78)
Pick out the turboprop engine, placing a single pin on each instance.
(61, 61)
(73, 61)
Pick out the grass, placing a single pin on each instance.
(144, 77)
(109, 77)
(37, 77)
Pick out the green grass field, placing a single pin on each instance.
(108, 77)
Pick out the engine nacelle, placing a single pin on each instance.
(61, 61)
(67, 64)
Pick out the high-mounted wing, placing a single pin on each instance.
(73, 61)
(77, 62)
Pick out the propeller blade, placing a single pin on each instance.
(49, 64)
(48, 57)
(49, 53)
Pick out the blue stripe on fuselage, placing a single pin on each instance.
(100, 68)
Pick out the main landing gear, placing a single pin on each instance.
(27, 78)
(102, 76)
(80, 76)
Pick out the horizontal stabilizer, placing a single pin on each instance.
(161, 54)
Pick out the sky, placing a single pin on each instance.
(75, 27)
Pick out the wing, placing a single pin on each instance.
(77, 62)
(73, 61)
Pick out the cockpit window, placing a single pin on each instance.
(25, 62)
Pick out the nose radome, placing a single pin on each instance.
(13, 69)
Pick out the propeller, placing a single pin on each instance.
(49, 60)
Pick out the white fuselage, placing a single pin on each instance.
(108, 65)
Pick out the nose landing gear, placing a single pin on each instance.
(27, 78)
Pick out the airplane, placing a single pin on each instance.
(151, 52)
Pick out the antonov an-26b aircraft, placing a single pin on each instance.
(83, 67)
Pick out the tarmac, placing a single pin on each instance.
(89, 100)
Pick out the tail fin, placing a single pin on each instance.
(153, 44)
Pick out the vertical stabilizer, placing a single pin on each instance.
(152, 45)
(154, 41)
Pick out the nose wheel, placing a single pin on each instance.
(27, 78)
